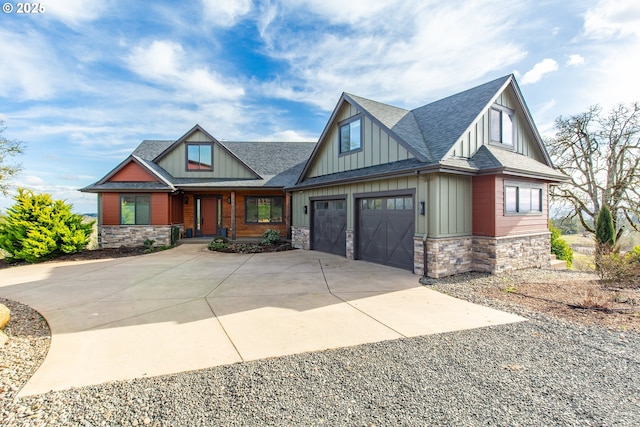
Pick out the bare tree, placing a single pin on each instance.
(601, 156)
(7, 148)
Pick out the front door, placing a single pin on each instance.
(206, 218)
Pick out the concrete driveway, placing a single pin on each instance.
(189, 308)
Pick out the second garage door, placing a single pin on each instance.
(385, 230)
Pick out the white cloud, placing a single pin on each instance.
(538, 71)
(575, 60)
(409, 56)
(225, 13)
(28, 70)
(612, 19)
(290, 135)
(75, 12)
(167, 63)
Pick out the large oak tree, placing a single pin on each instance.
(600, 153)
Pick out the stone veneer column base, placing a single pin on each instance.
(350, 250)
(301, 237)
(500, 254)
(448, 256)
(115, 236)
(419, 246)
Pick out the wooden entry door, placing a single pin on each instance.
(206, 216)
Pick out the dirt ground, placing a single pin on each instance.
(579, 299)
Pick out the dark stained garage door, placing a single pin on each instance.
(329, 226)
(385, 230)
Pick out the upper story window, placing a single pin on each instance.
(501, 125)
(350, 136)
(200, 157)
(135, 209)
(522, 198)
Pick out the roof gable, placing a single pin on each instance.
(443, 122)
(527, 140)
(133, 171)
(434, 132)
(226, 163)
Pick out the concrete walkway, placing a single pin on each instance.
(189, 308)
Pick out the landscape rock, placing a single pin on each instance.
(3, 338)
(5, 316)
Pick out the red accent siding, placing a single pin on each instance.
(110, 208)
(159, 209)
(488, 210)
(484, 205)
(177, 209)
(133, 172)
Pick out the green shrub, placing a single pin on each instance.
(617, 270)
(270, 237)
(605, 232)
(559, 247)
(38, 228)
(219, 243)
(175, 235)
(148, 245)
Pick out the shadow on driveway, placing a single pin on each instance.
(189, 308)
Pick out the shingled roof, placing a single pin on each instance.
(431, 130)
(429, 133)
(278, 164)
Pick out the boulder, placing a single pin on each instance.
(5, 315)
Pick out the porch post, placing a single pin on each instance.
(287, 209)
(233, 215)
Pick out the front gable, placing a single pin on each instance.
(525, 138)
(199, 155)
(377, 144)
(132, 172)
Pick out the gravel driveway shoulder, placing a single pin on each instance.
(540, 372)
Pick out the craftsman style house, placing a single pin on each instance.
(457, 185)
(200, 185)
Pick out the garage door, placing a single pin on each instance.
(329, 226)
(386, 228)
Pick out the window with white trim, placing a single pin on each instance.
(522, 198)
(501, 125)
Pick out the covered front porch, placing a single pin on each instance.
(235, 214)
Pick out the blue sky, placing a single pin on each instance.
(86, 80)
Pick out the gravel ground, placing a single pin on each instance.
(540, 372)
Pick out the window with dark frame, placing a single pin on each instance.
(350, 136)
(501, 126)
(135, 209)
(522, 199)
(200, 157)
(264, 210)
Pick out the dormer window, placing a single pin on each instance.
(350, 136)
(200, 157)
(501, 125)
